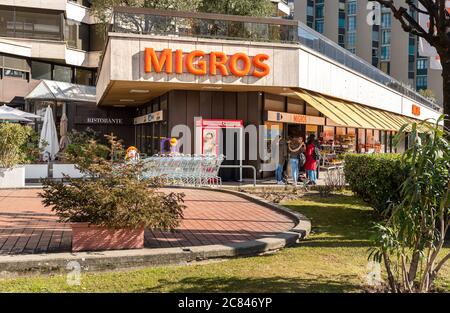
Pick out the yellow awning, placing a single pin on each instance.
(351, 114)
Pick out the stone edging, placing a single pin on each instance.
(11, 265)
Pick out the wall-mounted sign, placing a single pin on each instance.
(102, 120)
(198, 62)
(212, 123)
(149, 118)
(416, 110)
(291, 118)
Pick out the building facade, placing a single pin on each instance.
(52, 39)
(384, 44)
(163, 69)
(282, 76)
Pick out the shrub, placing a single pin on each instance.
(376, 178)
(18, 144)
(80, 141)
(113, 196)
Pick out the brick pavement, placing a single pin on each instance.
(210, 217)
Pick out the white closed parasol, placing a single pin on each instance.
(49, 136)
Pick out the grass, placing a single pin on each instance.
(332, 259)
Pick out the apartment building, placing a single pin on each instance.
(383, 44)
(52, 39)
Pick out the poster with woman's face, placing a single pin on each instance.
(210, 141)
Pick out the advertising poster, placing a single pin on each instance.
(210, 142)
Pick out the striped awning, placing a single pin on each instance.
(350, 114)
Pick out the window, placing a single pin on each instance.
(62, 73)
(351, 23)
(386, 20)
(84, 77)
(30, 23)
(421, 64)
(421, 82)
(14, 73)
(41, 70)
(352, 7)
(385, 37)
(351, 40)
(319, 10)
(319, 26)
(77, 35)
(385, 53)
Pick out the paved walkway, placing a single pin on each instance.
(211, 217)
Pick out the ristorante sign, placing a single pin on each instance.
(201, 63)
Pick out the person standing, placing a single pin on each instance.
(282, 155)
(311, 164)
(295, 148)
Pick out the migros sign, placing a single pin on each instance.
(198, 62)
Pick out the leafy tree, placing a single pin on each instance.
(238, 7)
(102, 8)
(436, 34)
(410, 242)
(18, 144)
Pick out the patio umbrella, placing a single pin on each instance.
(13, 117)
(9, 110)
(49, 136)
(64, 141)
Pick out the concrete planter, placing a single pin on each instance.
(36, 171)
(67, 169)
(87, 237)
(12, 177)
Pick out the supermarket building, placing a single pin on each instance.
(278, 75)
(160, 69)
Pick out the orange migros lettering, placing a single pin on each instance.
(165, 58)
(195, 62)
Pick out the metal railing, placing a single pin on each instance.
(242, 167)
(233, 27)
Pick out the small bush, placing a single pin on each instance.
(18, 144)
(80, 143)
(376, 178)
(113, 196)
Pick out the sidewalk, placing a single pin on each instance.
(210, 217)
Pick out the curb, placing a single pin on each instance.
(11, 265)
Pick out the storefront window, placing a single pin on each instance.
(62, 73)
(370, 141)
(311, 130)
(271, 131)
(376, 140)
(361, 140)
(351, 139)
(383, 141)
(40, 70)
(328, 135)
(341, 132)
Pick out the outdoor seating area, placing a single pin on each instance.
(185, 170)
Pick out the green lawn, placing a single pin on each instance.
(332, 259)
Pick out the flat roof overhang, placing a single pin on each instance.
(123, 81)
(137, 93)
